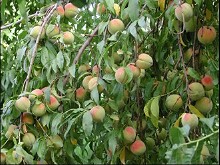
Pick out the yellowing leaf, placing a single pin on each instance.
(73, 141)
(195, 111)
(181, 41)
(122, 155)
(208, 14)
(177, 123)
(117, 8)
(161, 4)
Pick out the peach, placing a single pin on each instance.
(60, 10)
(35, 31)
(95, 70)
(83, 68)
(100, 8)
(85, 81)
(17, 157)
(55, 141)
(144, 61)
(22, 104)
(129, 134)
(3, 157)
(98, 113)
(52, 30)
(196, 91)
(135, 70)
(206, 34)
(108, 70)
(70, 10)
(207, 82)
(117, 57)
(27, 118)
(190, 119)
(38, 109)
(81, 94)
(10, 132)
(93, 82)
(115, 25)
(161, 134)
(68, 38)
(162, 122)
(209, 93)
(36, 93)
(204, 105)
(174, 102)
(188, 54)
(150, 143)
(121, 75)
(28, 139)
(54, 103)
(138, 147)
(184, 12)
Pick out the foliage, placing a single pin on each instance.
(69, 133)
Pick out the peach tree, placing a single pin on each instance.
(109, 81)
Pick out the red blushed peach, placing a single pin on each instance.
(129, 134)
(206, 34)
(27, 118)
(190, 119)
(60, 10)
(115, 25)
(81, 94)
(138, 147)
(22, 104)
(135, 70)
(36, 93)
(98, 113)
(207, 82)
(95, 70)
(184, 12)
(85, 82)
(68, 38)
(100, 8)
(54, 103)
(70, 10)
(38, 109)
(121, 75)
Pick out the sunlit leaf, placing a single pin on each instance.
(195, 111)
(87, 123)
(122, 155)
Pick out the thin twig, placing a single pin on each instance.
(19, 21)
(46, 19)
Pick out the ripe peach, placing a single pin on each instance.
(190, 26)
(196, 91)
(95, 70)
(83, 68)
(204, 105)
(115, 25)
(3, 157)
(100, 8)
(10, 132)
(93, 82)
(38, 109)
(98, 113)
(138, 147)
(150, 143)
(207, 82)
(190, 119)
(174, 102)
(85, 81)
(81, 94)
(206, 34)
(121, 75)
(68, 38)
(129, 134)
(144, 61)
(70, 10)
(135, 70)
(22, 104)
(28, 139)
(27, 118)
(184, 12)
(52, 30)
(36, 93)
(35, 31)
(54, 103)
(60, 10)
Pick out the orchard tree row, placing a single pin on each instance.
(109, 81)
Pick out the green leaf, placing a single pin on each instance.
(185, 130)
(55, 123)
(3, 4)
(87, 123)
(95, 95)
(47, 94)
(72, 70)
(44, 57)
(147, 108)
(193, 73)
(129, 73)
(132, 29)
(195, 111)
(100, 46)
(102, 26)
(60, 60)
(110, 5)
(133, 9)
(10, 159)
(176, 136)
(197, 154)
(60, 85)
(29, 159)
(154, 110)
(54, 65)
(208, 121)
(22, 8)
(152, 4)
(112, 143)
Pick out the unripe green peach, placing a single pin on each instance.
(98, 113)
(190, 26)
(121, 75)
(52, 30)
(38, 109)
(162, 122)
(209, 93)
(10, 132)
(68, 38)
(196, 91)
(85, 82)
(83, 68)
(35, 31)
(150, 143)
(81, 94)
(205, 152)
(27, 118)
(22, 104)
(138, 147)
(207, 82)
(135, 70)
(17, 157)
(100, 8)
(204, 105)
(184, 12)
(70, 10)
(190, 119)
(108, 70)
(54, 103)
(144, 61)
(28, 139)
(117, 57)
(3, 157)
(188, 54)
(129, 134)
(115, 25)
(60, 10)
(55, 141)
(161, 134)
(40, 162)
(36, 93)
(206, 34)
(174, 102)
